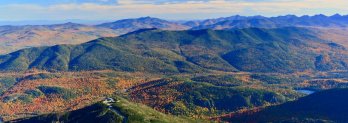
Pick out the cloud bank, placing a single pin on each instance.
(173, 9)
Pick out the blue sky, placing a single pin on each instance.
(18, 10)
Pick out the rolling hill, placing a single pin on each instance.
(120, 111)
(255, 50)
(325, 106)
(202, 97)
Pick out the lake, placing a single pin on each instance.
(305, 91)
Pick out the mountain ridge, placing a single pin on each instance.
(172, 51)
(130, 25)
(237, 21)
(18, 37)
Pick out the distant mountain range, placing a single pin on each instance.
(130, 25)
(13, 38)
(287, 49)
(270, 22)
(50, 22)
(232, 22)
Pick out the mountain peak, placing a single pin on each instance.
(146, 18)
(336, 15)
(319, 16)
(290, 16)
(130, 25)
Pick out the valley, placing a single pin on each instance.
(225, 69)
(192, 95)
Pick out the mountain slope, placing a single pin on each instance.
(182, 96)
(252, 49)
(13, 38)
(120, 111)
(130, 25)
(271, 22)
(321, 106)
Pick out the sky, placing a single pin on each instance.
(20, 10)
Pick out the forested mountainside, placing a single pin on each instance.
(204, 96)
(114, 110)
(18, 37)
(253, 49)
(325, 106)
(173, 61)
(231, 69)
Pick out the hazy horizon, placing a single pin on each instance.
(94, 22)
(58, 10)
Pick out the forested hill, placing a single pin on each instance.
(325, 106)
(118, 111)
(256, 50)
